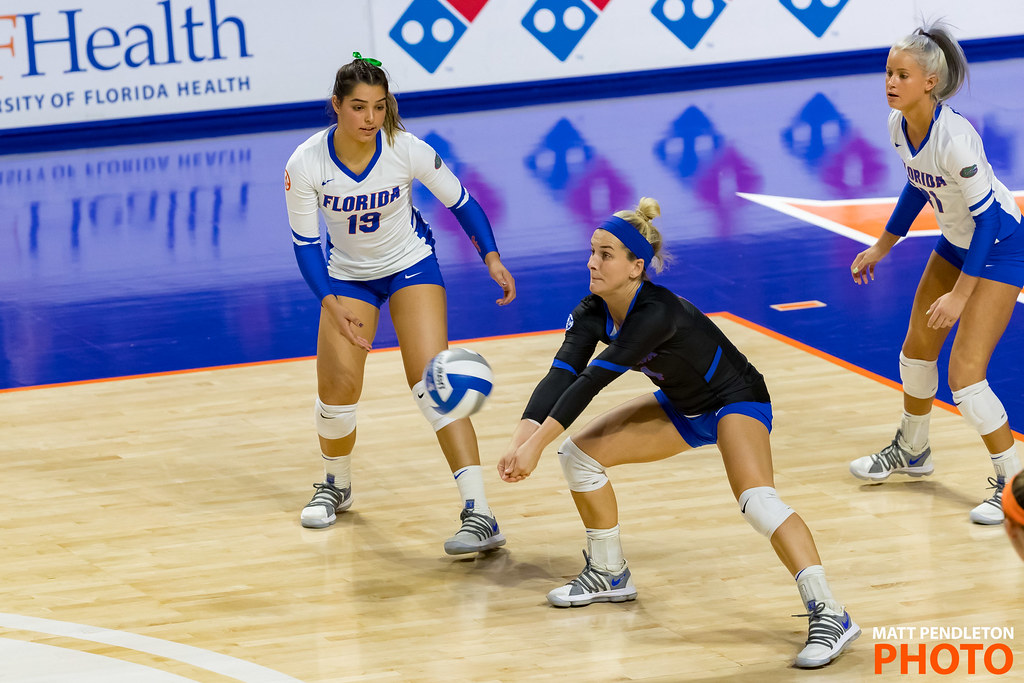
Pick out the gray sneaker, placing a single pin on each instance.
(893, 459)
(594, 585)
(322, 510)
(828, 634)
(477, 534)
(991, 510)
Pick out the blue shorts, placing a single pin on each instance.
(1005, 262)
(703, 429)
(376, 292)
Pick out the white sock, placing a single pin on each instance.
(338, 471)
(1006, 463)
(914, 431)
(813, 587)
(605, 549)
(470, 480)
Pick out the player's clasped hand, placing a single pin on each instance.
(347, 322)
(499, 273)
(518, 463)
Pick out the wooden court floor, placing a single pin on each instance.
(151, 524)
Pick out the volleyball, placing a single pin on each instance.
(458, 382)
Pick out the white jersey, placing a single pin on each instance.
(373, 230)
(951, 168)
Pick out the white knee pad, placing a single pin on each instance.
(334, 422)
(763, 510)
(920, 377)
(436, 419)
(980, 407)
(582, 472)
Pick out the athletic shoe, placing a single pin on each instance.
(990, 511)
(594, 585)
(321, 511)
(828, 634)
(478, 533)
(893, 459)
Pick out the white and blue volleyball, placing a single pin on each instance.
(458, 382)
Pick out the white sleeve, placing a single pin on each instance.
(429, 169)
(964, 160)
(302, 202)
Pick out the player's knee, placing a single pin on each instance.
(582, 472)
(334, 422)
(436, 419)
(763, 510)
(980, 407)
(920, 377)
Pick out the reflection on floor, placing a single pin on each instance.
(129, 260)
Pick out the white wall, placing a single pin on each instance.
(120, 64)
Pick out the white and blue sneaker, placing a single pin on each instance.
(991, 509)
(828, 634)
(893, 459)
(594, 585)
(322, 510)
(479, 533)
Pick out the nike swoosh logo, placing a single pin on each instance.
(616, 582)
(913, 462)
(326, 181)
(413, 275)
(420, 395)
(460, 474)
(743, 510)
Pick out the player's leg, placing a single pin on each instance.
(982, 324)
(636, 431)
(419, 314)
(339, 372)
(909, 452)
(746, 451)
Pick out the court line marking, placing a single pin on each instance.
(215, 662)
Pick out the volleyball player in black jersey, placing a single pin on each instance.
(707, 393)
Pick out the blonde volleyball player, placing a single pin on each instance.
(707, 393)
(1013, 509)
(973, 276)
(358, 175)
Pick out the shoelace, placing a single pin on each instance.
(823, 629)
(590, 580)
(891, 456)
(475, 524)
(997, 497)
(326, 494)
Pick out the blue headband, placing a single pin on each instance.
(630, 237)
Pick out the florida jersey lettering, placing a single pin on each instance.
(950, 168)
(373, 230)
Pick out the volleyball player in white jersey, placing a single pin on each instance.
(973, 276)
(708, 393)
(358, 175)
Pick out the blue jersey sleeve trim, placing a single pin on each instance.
(975, 207)
(910, 203)
(562, 365)
(305, 240)
(313, 267)
(474, 223)
(986, 230)
(714, 365)
(609, 366)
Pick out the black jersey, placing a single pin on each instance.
(663, 336)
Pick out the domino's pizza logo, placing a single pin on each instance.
(688, 20)
(559, 25)
(428, 29)
(816, 15)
